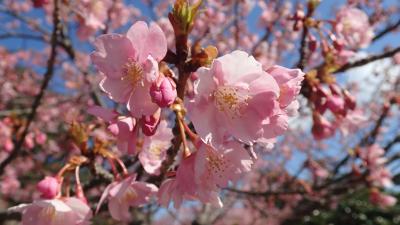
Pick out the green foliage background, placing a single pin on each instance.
(355, 209)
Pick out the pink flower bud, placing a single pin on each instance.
(8, 145)
(150, 123)
(335, 103)
(29, 143)
(338, 44)
(39, 3)
(322, 128)
(350, 101)
(312, 44)
(163, 93)
(335, 89)
(49, 187)
(40, 138)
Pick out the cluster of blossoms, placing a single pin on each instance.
(378, 175)
(351, 30)
(235, 102)
(186, 123)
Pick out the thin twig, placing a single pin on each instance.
(367, 60)
(387, 30)
(36, 103)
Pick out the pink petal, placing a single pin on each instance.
(117, 89)
(137, 35)
(118, 210)
(111, 54)
(156, 42)
(140, 102)
(105, 114)
(148, 41)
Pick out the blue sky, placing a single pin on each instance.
(325, 10)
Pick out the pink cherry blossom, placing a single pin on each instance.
(9, 182)
(40, 3)
(203, 173)
(66, 211)
(353, 26)
(49, 187)
(122, 195)
(215, 168)
(92, 16)
(373, 156)
(236, 96)
(381, 199)
(154, 148)
(123, 128)
(289, 81)
(381, 177)
(129, 65)
(184, 186)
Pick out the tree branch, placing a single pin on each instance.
(367, 60)
(387, 30)
(36, 103)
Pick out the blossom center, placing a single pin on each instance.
(128, 196)
(156, 150)
(231, 101)
(47, 213)
(133, 73)
(216, 164)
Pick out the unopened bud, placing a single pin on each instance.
(163, 92)
(49, 187)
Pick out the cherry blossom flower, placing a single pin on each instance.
(353, 26)
(92, 15)
(122, 127)
(124, 194)
(236, 96)
(215, 168)
(373, 156)
(204, 172)
(154, 148)
(65, 211)
(381, 177)
(184, 186)
(129, 65)
(289, 81)
(381, 199)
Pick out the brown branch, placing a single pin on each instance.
(367, 60)
(303, 47)
(266, 193)
(369, 138)
(393, 142)
(387, 30)
(36, 103)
